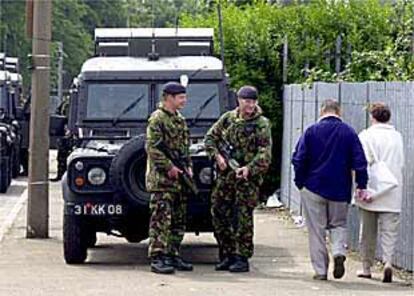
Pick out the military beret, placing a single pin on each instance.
(247, 92)
(173, 88)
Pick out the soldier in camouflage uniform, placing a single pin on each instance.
(168, 203)
(236, 190)
(64, 144)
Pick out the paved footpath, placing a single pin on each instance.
(280, 266)
(11, 203)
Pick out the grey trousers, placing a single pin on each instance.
(323, 215)
(387, 224)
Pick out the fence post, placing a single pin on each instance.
(338, 54)
(348, 53)
(306, 65)
(285, 59)
(328, 58)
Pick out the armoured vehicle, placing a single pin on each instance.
(10, 130)
(111, 100)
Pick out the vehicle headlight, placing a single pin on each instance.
(96, 176)
(79, 165)
(206, 176)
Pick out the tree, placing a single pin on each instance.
(376, 44)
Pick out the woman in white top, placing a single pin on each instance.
(381, 213)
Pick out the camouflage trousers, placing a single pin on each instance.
(167, 223)
(233, 202)
(62, 157)
(64, 150)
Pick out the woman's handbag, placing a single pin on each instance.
(381, 179)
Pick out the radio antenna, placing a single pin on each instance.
(221, 35)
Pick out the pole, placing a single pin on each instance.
(285, 59)
(338, 48)
(38, 189)
(60, 71)
(221, 34)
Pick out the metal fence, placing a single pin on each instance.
(301, 108)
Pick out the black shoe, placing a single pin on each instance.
(159, 265)
(387, 275)
(320, 277)
(339, 268)
(241, 264)
(225, 263)
(178, 263)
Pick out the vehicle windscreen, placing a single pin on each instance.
(121, 101)
(203, 101)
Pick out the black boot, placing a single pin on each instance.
(339, 267)
(178, 263)
(241, 264)
(225, 263)
(55, 179)
(159, 264)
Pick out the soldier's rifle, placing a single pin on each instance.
(226, 150)
(180, 163)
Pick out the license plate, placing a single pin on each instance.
(93, 209)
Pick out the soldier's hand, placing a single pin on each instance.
(174, 172)
(242, 173)
(190, 172)
(221, 162)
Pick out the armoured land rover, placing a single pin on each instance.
(10, 130)
(111, 100)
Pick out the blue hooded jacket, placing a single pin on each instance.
(325, 157)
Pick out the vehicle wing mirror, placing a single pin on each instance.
(232, 99)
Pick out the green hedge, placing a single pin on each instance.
(376, 42)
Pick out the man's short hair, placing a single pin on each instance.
(331, 106)
(380, 112)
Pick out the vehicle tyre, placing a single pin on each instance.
(5, 174)
(15, 164)
(74, 242)
(127, 171)
(24, 160)
(135, 237)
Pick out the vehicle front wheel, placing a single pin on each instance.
(74, 242)
(15, 166)
(5, 174)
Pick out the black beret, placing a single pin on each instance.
(173, 88)
(247, 92)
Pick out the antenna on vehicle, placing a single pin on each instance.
(153, 55)
(221, 35)
(177, 21)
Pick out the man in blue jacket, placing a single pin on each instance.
(324, 160)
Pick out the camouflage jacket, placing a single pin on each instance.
(251, 141)
(172, 130)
